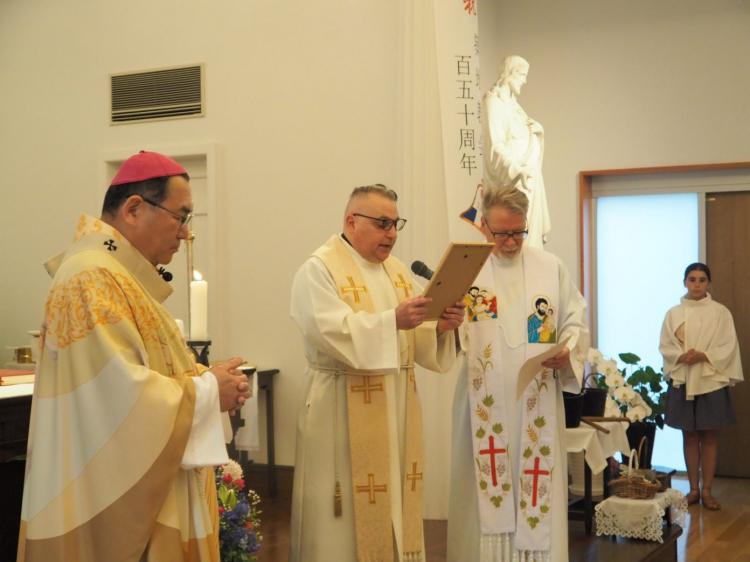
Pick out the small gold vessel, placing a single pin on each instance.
(22, 354)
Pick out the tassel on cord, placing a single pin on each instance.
(337, 500)
(337, 509)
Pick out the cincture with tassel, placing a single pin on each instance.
(337, 500)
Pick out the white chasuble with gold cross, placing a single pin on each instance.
(509, 477)
(358, 469)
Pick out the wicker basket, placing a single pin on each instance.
(635, 484)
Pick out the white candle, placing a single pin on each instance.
(198, 308)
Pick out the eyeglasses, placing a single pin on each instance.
(183, 219)
(517, 235)
(384, 224)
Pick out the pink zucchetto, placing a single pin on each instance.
(145, 166)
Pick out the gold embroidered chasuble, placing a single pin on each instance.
(361, 422)
(111, 415)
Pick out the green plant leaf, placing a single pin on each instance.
(540, 422)
(506, 487)
(488, 400)
(483, 484)
(544, 450)
(629, 358)
(497, 428)
(527, 452)
(544, 508)
(223, 494)
(522, 504)
(532, 521)
(496, 500)
(480, 433)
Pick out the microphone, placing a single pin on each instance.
(419, 268)
(164, 274)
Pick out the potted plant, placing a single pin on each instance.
(649, 383)
(638, 392)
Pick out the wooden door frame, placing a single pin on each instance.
(586, 210)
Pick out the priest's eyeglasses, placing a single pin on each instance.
(384, 224)
(517, 235)
(183, 219)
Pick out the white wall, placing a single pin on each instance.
(303, 104)
(624, 84)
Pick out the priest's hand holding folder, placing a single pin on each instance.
(412, 312)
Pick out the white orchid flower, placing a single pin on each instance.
(614, 380)
(594, 356)
(624, 394)
(611, 409)
(636, 413)
(609, 367)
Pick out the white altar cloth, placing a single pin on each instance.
(597, 446)
(640, 519)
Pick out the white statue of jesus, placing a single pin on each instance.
(514, 146)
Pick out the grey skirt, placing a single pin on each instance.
(706, 411)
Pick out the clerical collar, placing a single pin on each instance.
(361, 261)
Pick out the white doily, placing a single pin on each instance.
(640, 519)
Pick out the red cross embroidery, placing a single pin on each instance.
(536, 472)
(491, 451)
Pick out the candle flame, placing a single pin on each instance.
(197, 275)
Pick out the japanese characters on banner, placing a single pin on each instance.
(457, 38)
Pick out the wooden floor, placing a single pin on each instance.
(709, 536)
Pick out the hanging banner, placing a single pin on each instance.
(457, 40)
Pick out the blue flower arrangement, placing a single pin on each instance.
(239, 516)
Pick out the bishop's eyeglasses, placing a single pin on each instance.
(183, 219)
(384, 224)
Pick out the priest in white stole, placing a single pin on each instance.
(508, 498)
(359, 464)
(124, 426)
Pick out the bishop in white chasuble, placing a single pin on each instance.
(125, 427)
(508, 498)
(359, 468)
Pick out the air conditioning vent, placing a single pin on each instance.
(157, 94)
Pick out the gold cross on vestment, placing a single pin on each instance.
(367, 388)
(404, 284)
(414, 476)
(371, 487)
(353, 288)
